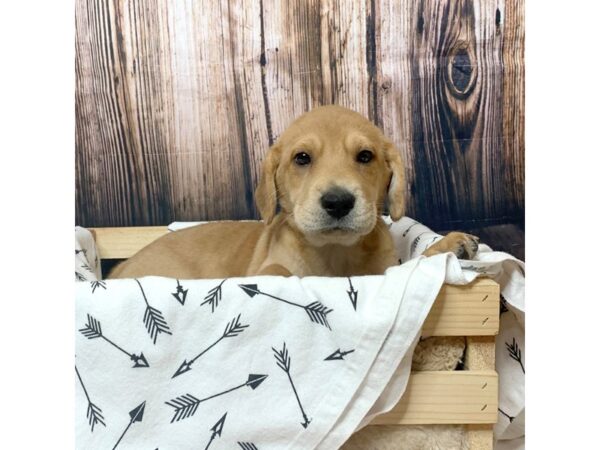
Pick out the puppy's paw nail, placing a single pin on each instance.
(471, 244)
(474, 245)
(460, 251)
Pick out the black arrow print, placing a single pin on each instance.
(97, 284)
(515, 353)
(135, 415)
(435, 238)
(247, 446)
(88, 268)
(186, 405)
(217, 429)
(79, 277)
(408, 229)
(338, 354)
(317, 312)
(93, 330)
(414, 244)
(510, 418)
(180, 293)
(352, 294)
(232, 329)
(94, 413)
(284, 362)
(214, 296)
(153, 318)
(482, 270)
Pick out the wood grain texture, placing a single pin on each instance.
(446, 397)
(471, 310)
(177, 101)
(315, 54)
(513, 102)
(124, 242)
(452, 58)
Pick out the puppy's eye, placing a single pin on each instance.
(364, 156)
(302, 158)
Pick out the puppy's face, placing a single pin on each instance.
(330, 171)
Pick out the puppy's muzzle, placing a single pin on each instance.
(337, 202)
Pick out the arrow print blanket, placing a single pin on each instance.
(249, 363)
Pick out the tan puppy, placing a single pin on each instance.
(330, 173)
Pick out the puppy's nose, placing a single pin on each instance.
(337, 202)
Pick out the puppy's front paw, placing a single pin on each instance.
(463, 245)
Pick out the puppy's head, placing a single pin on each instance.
(330, 172)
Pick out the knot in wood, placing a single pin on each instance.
(462, 72)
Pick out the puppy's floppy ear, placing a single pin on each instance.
(266, 191)
(397, 185)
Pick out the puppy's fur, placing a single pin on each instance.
(307, 236)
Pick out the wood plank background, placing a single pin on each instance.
(177, 101)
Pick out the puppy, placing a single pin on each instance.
(321, 194)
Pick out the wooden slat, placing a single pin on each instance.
(471, 310)
(512, 23)
(456, 397)
(123, 242)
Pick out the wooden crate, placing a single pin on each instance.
(468, 397)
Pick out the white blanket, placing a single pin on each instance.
(258, 362)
